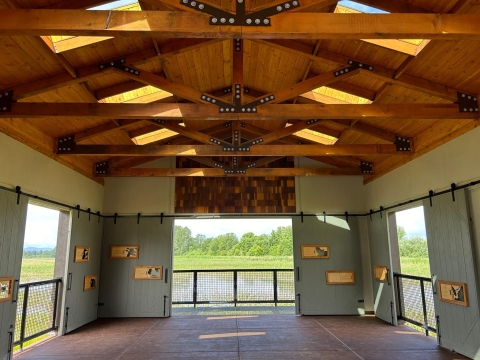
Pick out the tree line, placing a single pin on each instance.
(277, 243)
(33, 254)
(411, 246)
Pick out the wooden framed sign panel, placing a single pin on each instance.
(90, 282)
(380, 273)
(6, 288)
(453, 292)
(315, 251)
(82, 254)
(340, 277)
(154, 272)
(124, 251)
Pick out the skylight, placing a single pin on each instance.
(143, 95)
(327, 95)
(114, 5)
(411, 47)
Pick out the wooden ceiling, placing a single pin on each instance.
(51, 62)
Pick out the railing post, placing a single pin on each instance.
(235, 278)
(275, 292)
(424, 305)
(55, 304)
(195, 289)
(24, 316)
(399, 298)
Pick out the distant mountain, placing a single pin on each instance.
(36, 249)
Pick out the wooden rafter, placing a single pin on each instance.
(211, 112)
(211, 172)
(184, 24)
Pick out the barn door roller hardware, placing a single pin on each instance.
(119, 64)
(430, 196)
(453, 187)
(6, 100)
(240, 18)
(18, 191)
(353, 65)
(467, 102)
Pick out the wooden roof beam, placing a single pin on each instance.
(215, 150)
(210, 172)
(169, 111)
(184, 24)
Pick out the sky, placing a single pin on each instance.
(215, 227)
(360, 7)
(412, 221)
(42, 227)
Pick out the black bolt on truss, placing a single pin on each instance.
(240, 18)
(366, 167)
(66, 144)
(353, 65)
(101, 168)
(119, 64)
(467, 103)
(6, 100)
(402, 143)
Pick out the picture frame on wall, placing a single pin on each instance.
(340, 277)
(151, 272)
(124, 251)
(380, 273)
(6, 288)
(90, 282)
(319, 251)
(82, 254)
(453, 292)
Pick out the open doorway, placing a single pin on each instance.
(233, 265)
(43, 266)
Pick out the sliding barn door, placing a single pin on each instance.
(13, 217)
(383, 291)
(314, 296)
(451, 259)
(81, 306)
(120, 294)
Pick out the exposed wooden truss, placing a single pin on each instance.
(185, 24)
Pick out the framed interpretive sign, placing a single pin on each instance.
(82, 254)
(340, 277)
(315, 251)
(124, 251)
(6, 288)
(153, 272)
(90, 282)
(380, 272)
(453, 292)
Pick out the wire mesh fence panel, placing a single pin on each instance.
(18, 317)
(182, 287)
(430, 305)
(215, 286)
(286, 286)
(411, 299)
(255, 286)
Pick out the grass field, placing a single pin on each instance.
(232, 262)
(36, 270)
(415, 266)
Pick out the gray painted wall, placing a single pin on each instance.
(122, 296)
(12, 229)
(383, 292)
(82, 305)
(318, 298)
(451, 259)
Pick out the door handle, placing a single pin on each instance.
(69, 281)
(16, 291)
(298, 273)
(166, 275)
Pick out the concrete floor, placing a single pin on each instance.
(240, 336)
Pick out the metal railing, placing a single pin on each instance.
(415, 301)
(262, 286)
(36, 310)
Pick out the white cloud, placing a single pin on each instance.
(42, 227)
(215, 227)
(413, 221)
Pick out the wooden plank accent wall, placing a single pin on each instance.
(235, 195)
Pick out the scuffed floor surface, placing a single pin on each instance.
(241, 337)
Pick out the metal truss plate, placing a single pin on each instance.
(101, 168)
(65, 144)
(6, 100)
(366, 167)
(402, 143)
(119, 64)
(353, 65)
(467, 102)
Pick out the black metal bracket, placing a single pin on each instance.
(381, 211)
(453, 187)
(402, 143)
(240, 18)
(89, 213)
(6, 101)
(467, 102)
(66, 144)
(366, 167)
(78, 211)
(430, 195)
(346, 216)
(119, 64)
(101, 168)
(115, 218)
(353, 65)
(18, 191)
